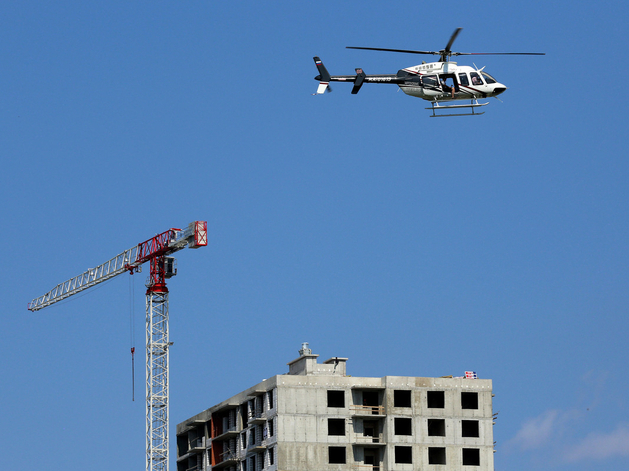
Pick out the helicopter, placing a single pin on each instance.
(440, 82)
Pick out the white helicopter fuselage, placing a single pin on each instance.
(447, 81)
(435, 81)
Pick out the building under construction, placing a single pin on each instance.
(317, 418)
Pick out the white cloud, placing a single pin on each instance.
(536, 432)
(601, 446)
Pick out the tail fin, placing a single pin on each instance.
(323, 77)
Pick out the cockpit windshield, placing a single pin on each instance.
(488, 78)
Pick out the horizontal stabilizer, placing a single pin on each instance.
(358, 81)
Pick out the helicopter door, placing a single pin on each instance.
(448, 82)
(430, 85)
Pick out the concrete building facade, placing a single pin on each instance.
(317, 418)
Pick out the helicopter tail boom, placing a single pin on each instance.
(325, 78)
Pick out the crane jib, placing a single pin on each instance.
(170, 241)
(154, 250)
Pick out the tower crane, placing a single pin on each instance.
(156, 251)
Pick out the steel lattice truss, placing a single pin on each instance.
(157, 346)
(156, 251)
(119, 264)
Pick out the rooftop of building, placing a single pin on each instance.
(333, 371)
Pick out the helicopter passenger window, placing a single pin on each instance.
(476, 80)
(463, 79)
(429, 80)
(488, 78)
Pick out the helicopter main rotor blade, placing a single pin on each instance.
(393, 50)
(452, 38)
(498, 53)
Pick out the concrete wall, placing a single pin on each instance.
(302, 439)
(303, 416)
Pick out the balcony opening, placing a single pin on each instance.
(370, 398)
(436, 427)
(372, 458)
(371, 429)
(401, 398)
(436, 399)
(469, 400)
(436, 455)
(469, 428)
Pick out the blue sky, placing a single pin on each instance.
(413, 246)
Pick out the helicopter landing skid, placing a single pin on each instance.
(436, 107)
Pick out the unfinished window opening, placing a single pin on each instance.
(182, 445)
(436, 455)
(401, 398)
(469, 428)
(404, 454)
(243, 415)
(436, 427)
(270, 398)
(336, 426)
(336, 398)
(271, 456)
(469, 400)
(243, 440)
(436, 399)
(403, 426)
(336, 455)
(471, 457)
(270, 427)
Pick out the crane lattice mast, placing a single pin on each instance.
(156, 251)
